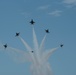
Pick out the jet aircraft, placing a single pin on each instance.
(17, 34)
(5, 46)
(47, 31)
(32, 22)
(61, 45)
(32, 51)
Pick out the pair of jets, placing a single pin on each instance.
(5, 46)
(32, 23)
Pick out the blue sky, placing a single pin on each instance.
(59, 16)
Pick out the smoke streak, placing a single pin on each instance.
(42, 44)
(29, 50)
(48, 53)
(43, 69)
(18, 55)
(26, 45)
(36, 46)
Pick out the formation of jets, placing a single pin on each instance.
(32, 22)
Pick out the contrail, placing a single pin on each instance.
(43, 69)
(18, 55)
(25, 44)
(48, 53)
(36, 46)
(42, 44)
(29, 50)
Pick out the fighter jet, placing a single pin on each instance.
(32, 51)
(47, 31)
(5, 46)
(61, 45)
(32, 22)
(17, 34)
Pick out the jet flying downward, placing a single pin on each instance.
(61, 45)
(17, 34)
(47, 31)
(32, 22)
(5, 46)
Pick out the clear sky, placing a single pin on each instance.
(59, 16)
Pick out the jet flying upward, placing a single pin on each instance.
(47, 31)
(32, 22)
(17, 34)
(5, 46)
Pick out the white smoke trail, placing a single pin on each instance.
(42, 44)
(25, 44)
(43, 69)
(18, 55)
(35, 41)
(48, 53)
(29, 50)
(36, 46)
